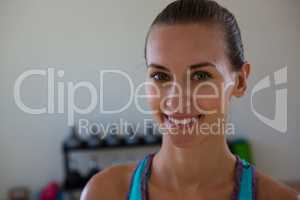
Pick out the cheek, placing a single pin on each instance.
(208, 105)
(211, 98)
(153, 93)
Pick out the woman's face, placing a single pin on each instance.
(190, 81)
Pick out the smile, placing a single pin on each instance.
(181, 121)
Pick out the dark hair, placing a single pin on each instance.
(203, 11)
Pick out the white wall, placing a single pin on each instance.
(82, 37)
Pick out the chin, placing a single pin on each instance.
(185, 141)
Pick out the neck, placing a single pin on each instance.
(206, 164)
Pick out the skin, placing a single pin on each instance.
(185, 164)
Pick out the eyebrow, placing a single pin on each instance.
(193, 66)
(203, 64)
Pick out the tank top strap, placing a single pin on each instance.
(247, 186)
(136, 190)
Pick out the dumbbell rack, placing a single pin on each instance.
(84, 147)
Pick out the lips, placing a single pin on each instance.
(181, 121)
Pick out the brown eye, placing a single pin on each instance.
(160, 76)
(201, 76)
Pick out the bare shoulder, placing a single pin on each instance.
(111, 183)
(269, 188)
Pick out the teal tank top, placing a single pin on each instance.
(244, 189)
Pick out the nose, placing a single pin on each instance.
(178, 99)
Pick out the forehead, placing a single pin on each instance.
(185, 44)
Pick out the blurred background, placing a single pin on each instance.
(76, 39)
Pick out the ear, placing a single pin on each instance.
(241, 80)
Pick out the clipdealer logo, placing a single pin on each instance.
(279, 122)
